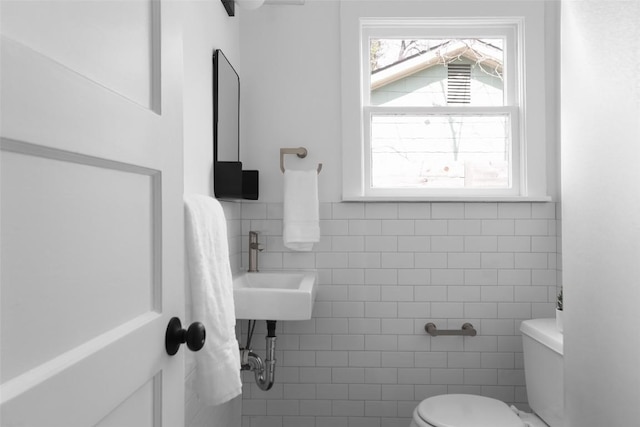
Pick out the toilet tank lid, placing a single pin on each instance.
(545, 332)
(465, 410)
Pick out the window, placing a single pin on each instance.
(440, 112)
(440, 109)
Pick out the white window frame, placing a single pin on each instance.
(524, 101)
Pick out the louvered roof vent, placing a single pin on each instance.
(458, 83)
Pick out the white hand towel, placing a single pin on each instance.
(218, 362)
(301, 224)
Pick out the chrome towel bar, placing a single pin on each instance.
(466, 330)
(301, 152)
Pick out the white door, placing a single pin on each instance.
(91, 213)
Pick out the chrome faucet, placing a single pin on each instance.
(254, 248)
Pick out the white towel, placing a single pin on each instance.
(218, 362)
(301, 225)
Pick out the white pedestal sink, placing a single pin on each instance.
(274, 295)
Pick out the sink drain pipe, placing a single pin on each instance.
(264, 371)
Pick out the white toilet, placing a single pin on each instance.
(542, 344)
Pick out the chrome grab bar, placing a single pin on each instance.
(467, 330)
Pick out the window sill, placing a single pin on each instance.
(507, 199)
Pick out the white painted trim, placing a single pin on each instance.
(528, 19)
(156, 58)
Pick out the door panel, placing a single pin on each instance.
(91, 214)
(113, 43)
(141, 408)
(85, 230)
(82, 386)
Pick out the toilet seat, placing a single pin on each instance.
(465, 410)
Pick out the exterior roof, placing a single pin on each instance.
(482, 53)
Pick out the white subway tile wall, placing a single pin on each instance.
(384, 271)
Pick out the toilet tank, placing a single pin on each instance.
(543, 368)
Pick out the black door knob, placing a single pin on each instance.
(175, 336)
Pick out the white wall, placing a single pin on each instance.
(384, 269)
(290, 82)
(291, 92)
(206, 27)
(601, 220)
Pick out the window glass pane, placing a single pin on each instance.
(440, 151)
(437, 72)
